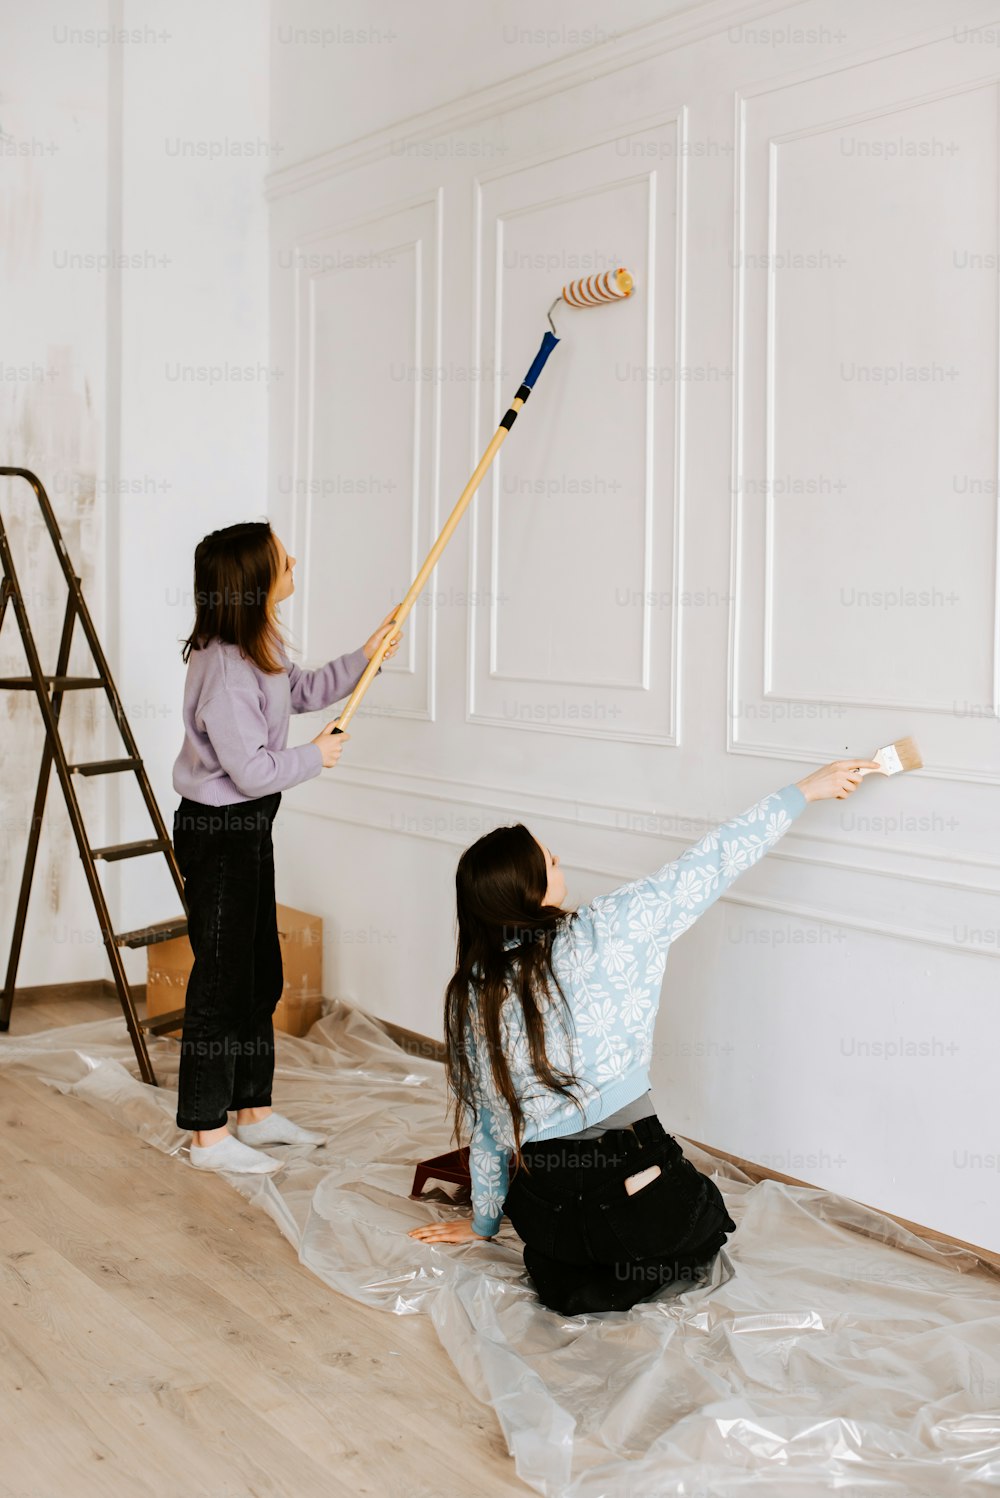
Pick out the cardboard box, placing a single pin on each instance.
(301, 1002)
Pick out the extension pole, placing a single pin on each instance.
(611, 286)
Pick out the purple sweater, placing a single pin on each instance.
(236, 724)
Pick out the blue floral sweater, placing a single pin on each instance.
(609, 959)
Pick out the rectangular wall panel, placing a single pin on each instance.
(576, 538)
(367, 402)
(865, 477)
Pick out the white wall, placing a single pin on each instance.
(135, 149)
(666, 602)
(196, 374)
(54, 204)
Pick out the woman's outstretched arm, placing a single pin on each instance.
(648, 914)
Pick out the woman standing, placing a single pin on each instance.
(549, 1027)
(234, 765)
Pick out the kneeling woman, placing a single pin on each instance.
(549, 1026)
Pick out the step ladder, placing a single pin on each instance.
(49, 691)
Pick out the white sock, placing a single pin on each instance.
(277, 1129)
(230, 1154)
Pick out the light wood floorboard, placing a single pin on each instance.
(160, 1338)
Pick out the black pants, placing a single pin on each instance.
(227, 1047)
(588, 1244)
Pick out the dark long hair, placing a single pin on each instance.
(235, 573)
(500, 888)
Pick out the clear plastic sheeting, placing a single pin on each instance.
(828, 1351)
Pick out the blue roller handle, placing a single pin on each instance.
(548, 343)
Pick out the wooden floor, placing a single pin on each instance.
(159, 1337)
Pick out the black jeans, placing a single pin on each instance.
(227, 1046)
(588, 1244)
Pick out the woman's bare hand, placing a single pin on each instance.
(836, 780)
(373, 641)
(447, 1232)
(331, 745)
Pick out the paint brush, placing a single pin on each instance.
(902, 755)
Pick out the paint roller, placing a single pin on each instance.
(589, 291)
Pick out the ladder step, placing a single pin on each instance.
(105, 766)
(147, 936)
(160, 1023)
(56, 683)
(115, 851)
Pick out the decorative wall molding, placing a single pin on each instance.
(953, 905)
(700, 19)
(485, 533)
(737, 743)
(826, 127)
(392, 820)
(424, 246)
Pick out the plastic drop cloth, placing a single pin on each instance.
(814, 1359)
